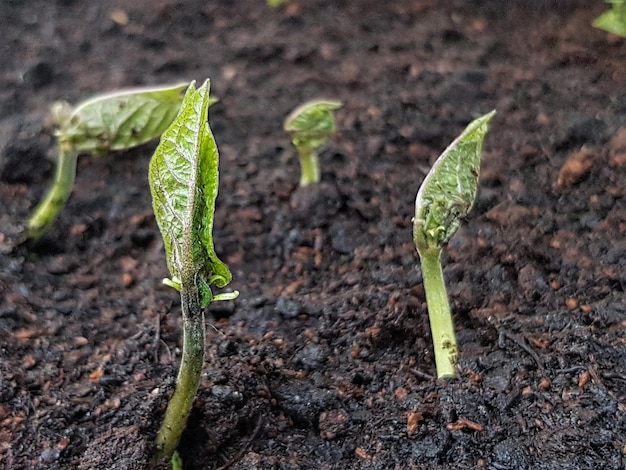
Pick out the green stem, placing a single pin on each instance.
(179, 407)
(439, 313)
(309, 162)
(48, 209)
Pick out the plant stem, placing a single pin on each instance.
(47, 210)
(179, 406)
(309, 162)
(439, 313)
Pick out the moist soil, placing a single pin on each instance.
(325, 360)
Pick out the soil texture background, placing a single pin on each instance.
(325, 360)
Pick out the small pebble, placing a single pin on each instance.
(227, 394)
(49, 455)
(311, 357)
(40, 75)
(287, 308)
(226, 348)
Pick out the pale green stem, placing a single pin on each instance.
(48, 209)
(439, 313)
(309, 162)
(179, 406)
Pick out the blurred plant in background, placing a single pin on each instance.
(613, 20)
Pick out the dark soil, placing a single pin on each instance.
(325, 360)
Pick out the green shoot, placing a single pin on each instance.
(176, 461)
(184, 182)
(115, 121)
(277, 3)
(613, 20)
(443, 200)
(310, 126)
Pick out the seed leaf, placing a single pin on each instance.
(184, 182)
(119, 120)
(448, 191)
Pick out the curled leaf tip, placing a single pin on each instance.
(174, 283)
(312, 123)
(226, 296)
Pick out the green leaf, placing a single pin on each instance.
(115, 121)
(448, 191)
(119, 120)
(614, 20)
(311, 124)
(184, 182)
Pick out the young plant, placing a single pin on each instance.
(310, 126)
(276, 3)
(184, 181)
(115, 121)
(613, 20)
(443, 200)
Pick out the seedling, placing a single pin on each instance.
(276, 3)
(115, 121)
(443, 200)
(184, 181)
(310, 126)
(613, 20)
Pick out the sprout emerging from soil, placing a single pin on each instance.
(310, 126)
(613, 20)
(184, 181)
(277, 3)
(115, 121)
(443, 200)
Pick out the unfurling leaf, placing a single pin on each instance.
(119, 120)
(448, 191)
(312, 124)
(184, 182)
